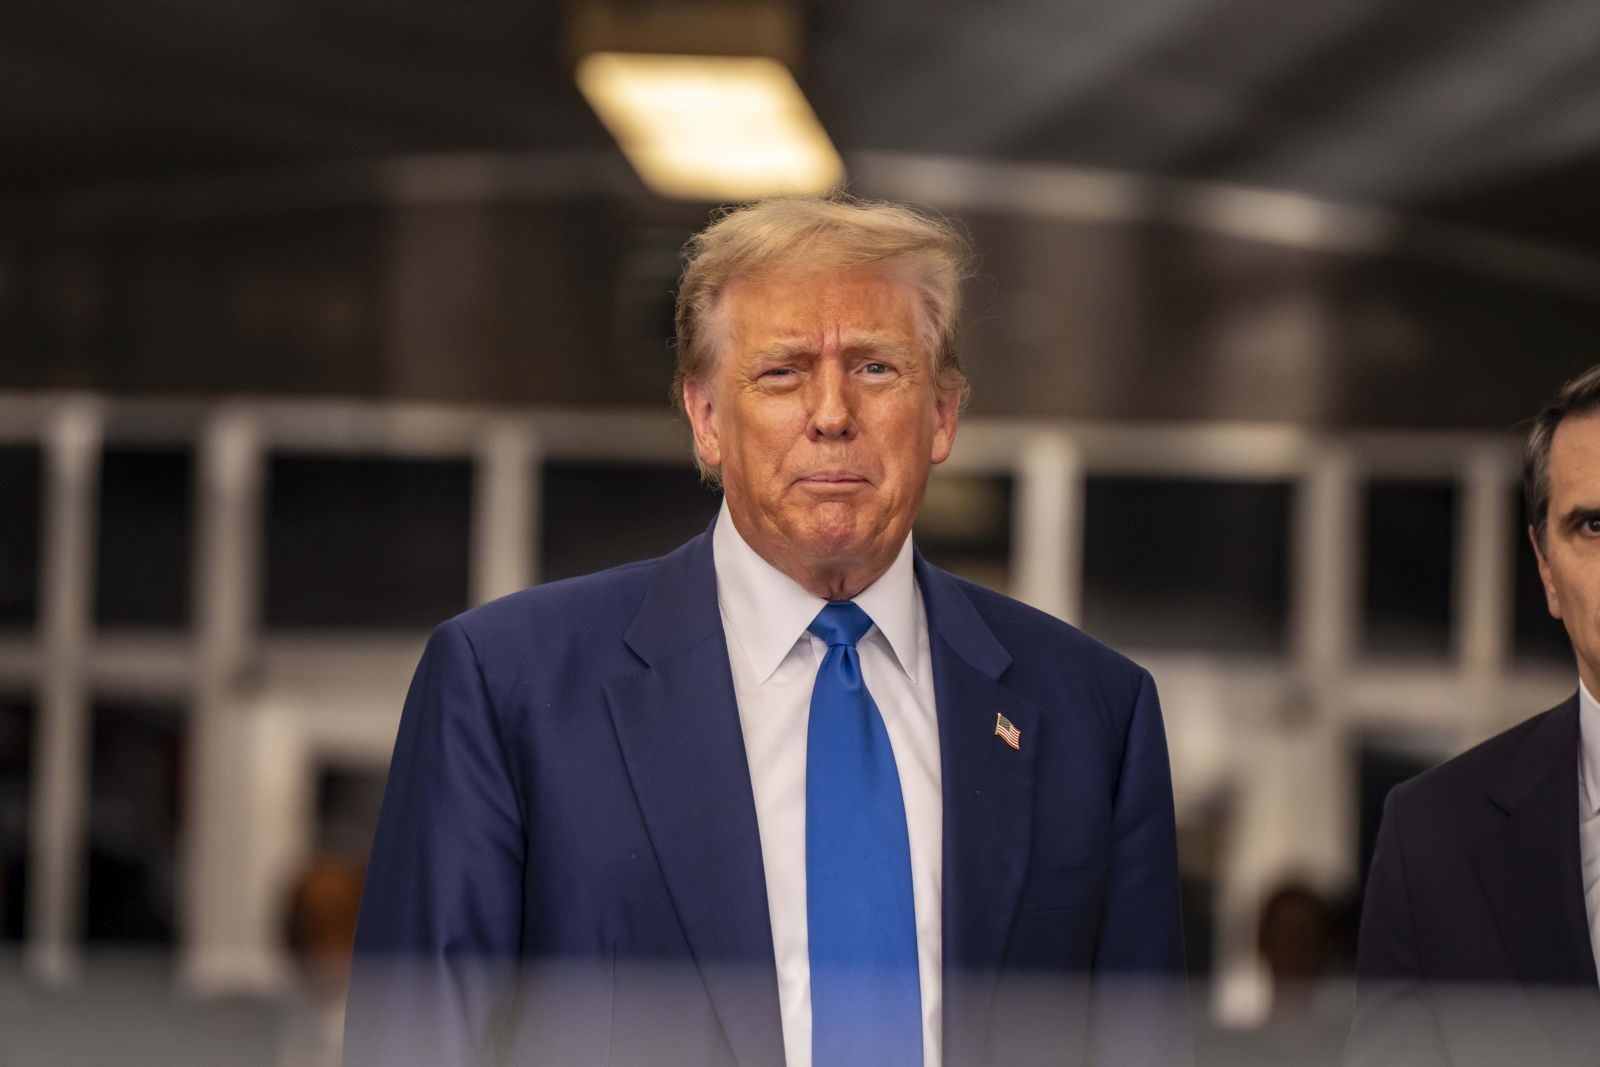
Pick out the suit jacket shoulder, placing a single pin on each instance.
(574, 623)
(1455, 800)
(1051, 656)
(1021, 626)
(590, 604)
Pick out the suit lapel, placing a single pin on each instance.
(678, 725)
(1531, 871)
(988, 807)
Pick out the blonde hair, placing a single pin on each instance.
(819, 233)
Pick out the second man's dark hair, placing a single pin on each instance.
(1578, 396)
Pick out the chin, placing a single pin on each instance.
(834, 529)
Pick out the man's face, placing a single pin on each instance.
(823, 415)
(1570, 561)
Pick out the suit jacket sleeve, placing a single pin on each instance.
(441, 916)
(1141, 997)
(1394, 1022)
(1141, 931)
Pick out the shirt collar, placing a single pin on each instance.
(768, 611)
(1589, 747)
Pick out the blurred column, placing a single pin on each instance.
(58, 805)
(1327, 570)
(1485, 579)
(214, 912)
(1296, 807)
(1320, 808)
(505, 510)
(1317, 793)
(1047, 547)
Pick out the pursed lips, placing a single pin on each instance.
(833, 477)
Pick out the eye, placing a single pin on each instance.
(778, 372)
(876, 368)
(1591, 525)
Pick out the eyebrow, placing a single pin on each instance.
(779, 350)
(854, 342)
(1580, 514)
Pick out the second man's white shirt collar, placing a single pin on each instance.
(768, 611)
(1589, 746)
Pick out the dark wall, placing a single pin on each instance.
(568, 301)
(479, 301)
(1156, 322)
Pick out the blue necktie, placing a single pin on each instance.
(866, 1002)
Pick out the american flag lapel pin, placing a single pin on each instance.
(1007, 731)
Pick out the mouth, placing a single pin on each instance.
(832, 479)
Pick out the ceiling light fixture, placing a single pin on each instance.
(711, 127)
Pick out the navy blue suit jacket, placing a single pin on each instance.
(567, 867)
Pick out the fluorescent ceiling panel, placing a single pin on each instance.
(711, 127)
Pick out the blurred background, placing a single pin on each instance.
(322, 321)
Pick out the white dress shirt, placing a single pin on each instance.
(774, 659)
(1589, 810)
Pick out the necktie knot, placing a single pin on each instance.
(841, 623)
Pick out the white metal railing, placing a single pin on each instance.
(1272, 732)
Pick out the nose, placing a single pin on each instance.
(832, 405)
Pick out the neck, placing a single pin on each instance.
(830, 577)
(841, 585)
(1589, 676)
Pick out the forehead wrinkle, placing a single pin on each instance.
(853, 341)
(817, 320)
(1574, 460)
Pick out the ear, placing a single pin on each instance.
(946, 413)
(1551, 600)
(700, 405)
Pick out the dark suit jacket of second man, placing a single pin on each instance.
(1474, 933)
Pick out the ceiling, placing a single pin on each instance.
(1487, 113)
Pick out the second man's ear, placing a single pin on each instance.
(1552, 602)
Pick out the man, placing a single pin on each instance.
(790, 793)
(1482, 915)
